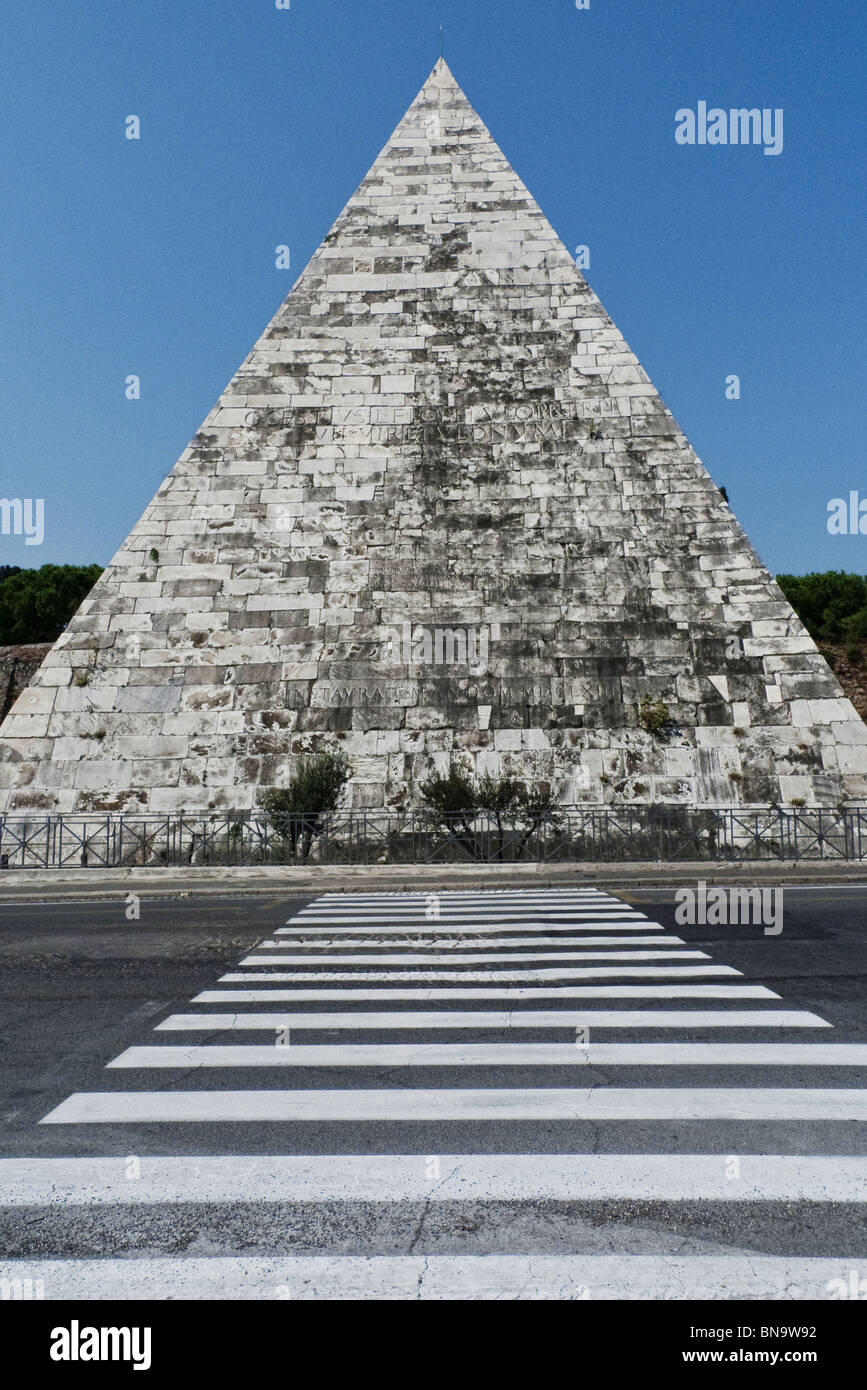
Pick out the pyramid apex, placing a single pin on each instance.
(442, 75)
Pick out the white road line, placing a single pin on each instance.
(435, 977)
(449, 909)
(397, 994)
(457, 945)
(515, 1054)
(476, 1105)
(455, 902)
(506, 915)
(535, 1278)
(433, 902)
(581, 890)
(433, 928)
(537, 902)
(482, 958)
(484, 895)
(594, 1019)
(87, 1181)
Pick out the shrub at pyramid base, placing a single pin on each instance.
(440, 511)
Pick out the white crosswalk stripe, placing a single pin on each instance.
(544, 1103)
(470, 931)
(392, 1177)
(467, 917)
(503, 1054)
(459, 946)
(482, 976)
(490, 958)
(595, 1020)
(395, 995)
(504, 963)
(337, 1278)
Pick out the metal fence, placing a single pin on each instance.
(592, 834)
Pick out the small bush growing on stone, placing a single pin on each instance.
(296, 812)
(653, 715)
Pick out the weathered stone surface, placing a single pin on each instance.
(18, 666)
(440, 509)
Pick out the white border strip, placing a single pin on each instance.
(443, 1278)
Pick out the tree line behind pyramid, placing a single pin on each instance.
(440, 518)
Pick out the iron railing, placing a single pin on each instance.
(574, 833)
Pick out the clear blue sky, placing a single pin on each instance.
(157, 257)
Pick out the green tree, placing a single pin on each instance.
(296, 812)
(855, 628)
(826, 602)
(36, 605)
(450, 794)
(455, 799)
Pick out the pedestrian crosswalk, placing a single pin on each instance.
(554, 1049)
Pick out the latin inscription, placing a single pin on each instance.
(405, 694)
(534, 422)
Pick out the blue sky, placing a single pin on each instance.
(156, 257)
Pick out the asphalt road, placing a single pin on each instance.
(80, 984)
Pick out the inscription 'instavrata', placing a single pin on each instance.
(497, 412)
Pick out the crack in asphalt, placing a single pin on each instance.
(176, 1080)
(422, 1273)
(426, 1208)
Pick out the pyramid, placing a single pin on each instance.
(439, 510)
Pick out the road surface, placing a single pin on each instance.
(554, 1094)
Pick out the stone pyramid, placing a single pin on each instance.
(440, 509)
